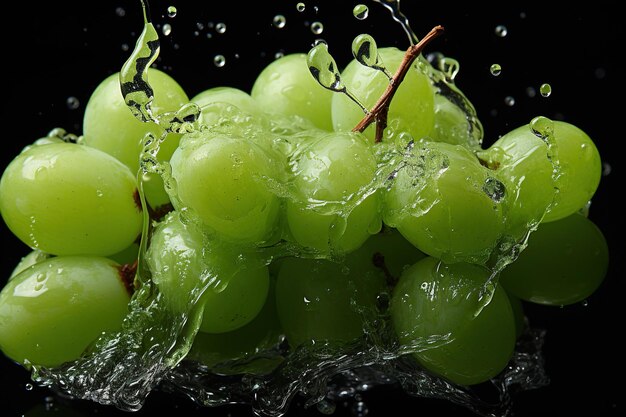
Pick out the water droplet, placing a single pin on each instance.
(279, 21)
(359, 409)
(495, 69)
(585, 303)
(360, 11)
(38, 287)
(125, 47)
(120, 11)
(545, 90)
(606, 169)
(167, 29)
(382, 302)
(72, 103)
(324, 68)
(219, 61)
(600, 73)
(28, 386)
(494, 189)
(522, 15)
(171, 11)
(326, 407)
(509, 101)
(542, 127)
(501, 31)
(531, 92)
(300, 7)
(317, 28)
(365, 51)
(279, 54)
(40, 277)
(220, 27)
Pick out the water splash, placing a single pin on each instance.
(394, 7)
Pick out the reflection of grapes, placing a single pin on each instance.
(507, 68)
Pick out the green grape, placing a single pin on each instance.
(434, 299)
(227, 95)
(225, 181)
(565, 262)
(110, 126)
(262, 333)
(518, 314)
(68, 199)
(412, 107)
(330, 177)
(446, 204)
(318, 300)
(32, 258)
(287, 87)
(126, 256)
(185, 261)
(52, 311)
(522, 160)
(387, 251)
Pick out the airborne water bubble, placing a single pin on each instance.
(545, 90)
(495, 69)
(501, 31)
(72, 103)
(220, 27)
(167, 29)
(171, 11)
(300, 7)
(509, 101)
(317, 28)
(361, 11)
(219, 61)
(279, 21)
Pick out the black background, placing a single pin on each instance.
(60, 51)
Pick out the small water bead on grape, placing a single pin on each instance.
(220, 28)
(171, 11)
(279, 21)
(317, 28)
(501, 31)
(360, 11)
(300, 7)
(495, 69)
(545, 90)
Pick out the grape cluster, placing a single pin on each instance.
(269, 216)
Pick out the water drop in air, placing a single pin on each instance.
(317, 28)
(220, 27)
(120, 11)
(531, 92)
(509, 101)
(72, 103)
(279, 21)
(359, 409)
(501, 31)
(300, 7)
(495, 69)
(171, 11)
(219, 61)
(28, 386)
(360, 11)
(584, 303)
(167, 29)
(545, 90)
(606, 169)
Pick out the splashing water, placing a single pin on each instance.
(123, 368)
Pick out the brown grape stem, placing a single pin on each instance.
(380, 110)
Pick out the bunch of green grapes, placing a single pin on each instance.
(271, 217)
